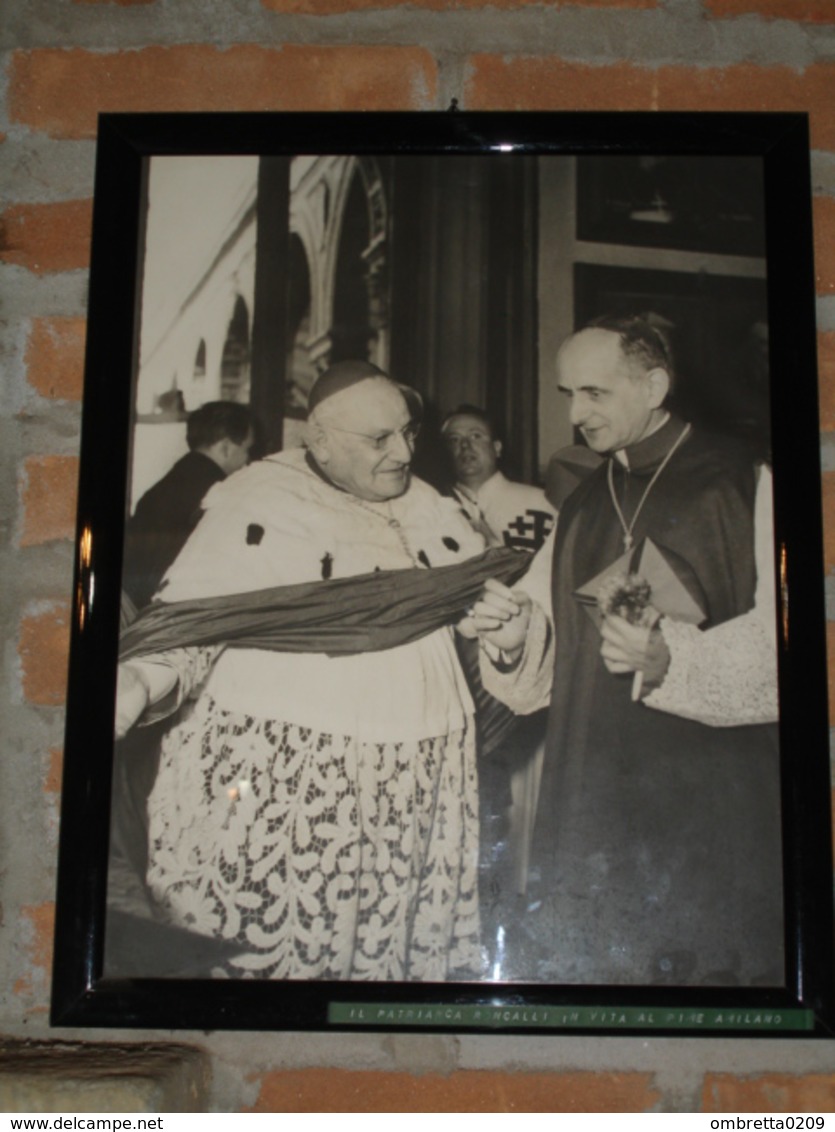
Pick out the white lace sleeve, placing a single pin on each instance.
(727, 676)
(724, 677)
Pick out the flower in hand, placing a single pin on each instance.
(627, 596)
(632, 641)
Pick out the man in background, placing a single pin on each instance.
(219, 435)
(514, 514)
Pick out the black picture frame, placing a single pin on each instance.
(83, 994)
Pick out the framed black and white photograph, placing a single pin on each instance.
(448, 637)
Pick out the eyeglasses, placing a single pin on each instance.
(382, 441)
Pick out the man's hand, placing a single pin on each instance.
(132, 697)
(139, 684)
(634, 648)
(502, 616)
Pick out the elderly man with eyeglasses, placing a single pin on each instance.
(320, 811)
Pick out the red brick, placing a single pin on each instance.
(38, 923)
(326, 7)
(341, 1090)
(548, 83)
(810, 11)
(55, 357)
(43, 646)
(49, 498)
(52, 779)
(826, 379)
(771, 1092)
(47, 237)
(824, 221)
(209, 78)
(42, 919)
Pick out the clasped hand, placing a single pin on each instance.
(131, 698)
(139, 684)
(501, 616)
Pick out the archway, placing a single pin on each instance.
(234, 366)
(351, 331)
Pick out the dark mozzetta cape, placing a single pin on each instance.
(661, 836)
(164, 518)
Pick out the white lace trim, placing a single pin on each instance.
(723, 677)
(321, 857)
(727, 676)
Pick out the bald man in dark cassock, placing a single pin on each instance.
(659, 836)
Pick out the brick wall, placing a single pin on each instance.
(65, 60)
